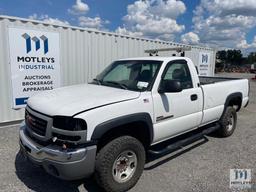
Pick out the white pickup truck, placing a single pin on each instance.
(107, 127)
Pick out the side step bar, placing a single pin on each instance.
(183, 142)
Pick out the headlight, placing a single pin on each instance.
(69, 123)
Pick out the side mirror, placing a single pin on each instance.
(170, 86)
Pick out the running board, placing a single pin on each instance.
(183, 142)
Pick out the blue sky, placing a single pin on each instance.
(217, 23)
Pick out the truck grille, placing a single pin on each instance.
(36, 124)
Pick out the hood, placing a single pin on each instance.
(70, 100)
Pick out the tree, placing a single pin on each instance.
(251, 58)
(222, 55)
(233, 57)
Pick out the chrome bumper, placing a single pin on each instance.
(69, 164)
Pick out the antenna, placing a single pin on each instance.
(180, 50)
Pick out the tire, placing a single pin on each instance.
(112, 160)
(228, 122)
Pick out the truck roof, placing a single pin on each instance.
(153, 58)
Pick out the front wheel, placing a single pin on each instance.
(228, 122)
(119, 164)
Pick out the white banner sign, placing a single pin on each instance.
(35, 63)
(204, 64)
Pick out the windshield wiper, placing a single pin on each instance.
(98, 81)
(123, 86)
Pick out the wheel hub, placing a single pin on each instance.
(230, 123)
(124, 166)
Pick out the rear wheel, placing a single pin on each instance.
(228, 122)
(119, 164)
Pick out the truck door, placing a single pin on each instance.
(178, 112)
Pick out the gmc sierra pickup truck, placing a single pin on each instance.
(106, 127)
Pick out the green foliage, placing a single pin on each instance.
(235, 57)
(251, 58)
(222, 55)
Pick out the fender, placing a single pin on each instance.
(232, 96)
(104, 127)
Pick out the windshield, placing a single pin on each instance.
(129, 74)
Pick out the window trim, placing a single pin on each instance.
(150, 87)
(180, 61)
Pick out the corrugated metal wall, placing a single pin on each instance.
(83, 54)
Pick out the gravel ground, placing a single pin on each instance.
(201, 166)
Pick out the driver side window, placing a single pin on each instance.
(179, 71)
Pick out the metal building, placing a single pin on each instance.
(83, 54)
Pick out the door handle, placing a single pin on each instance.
(193, 97)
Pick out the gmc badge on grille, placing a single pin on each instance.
(31, 120)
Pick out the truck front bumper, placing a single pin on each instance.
(68, 164)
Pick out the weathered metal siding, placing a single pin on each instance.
(83, 54)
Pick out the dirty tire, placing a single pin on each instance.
(111, 153)
(228, 122)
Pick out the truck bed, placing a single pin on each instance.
(216, 90)
(210, 80)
